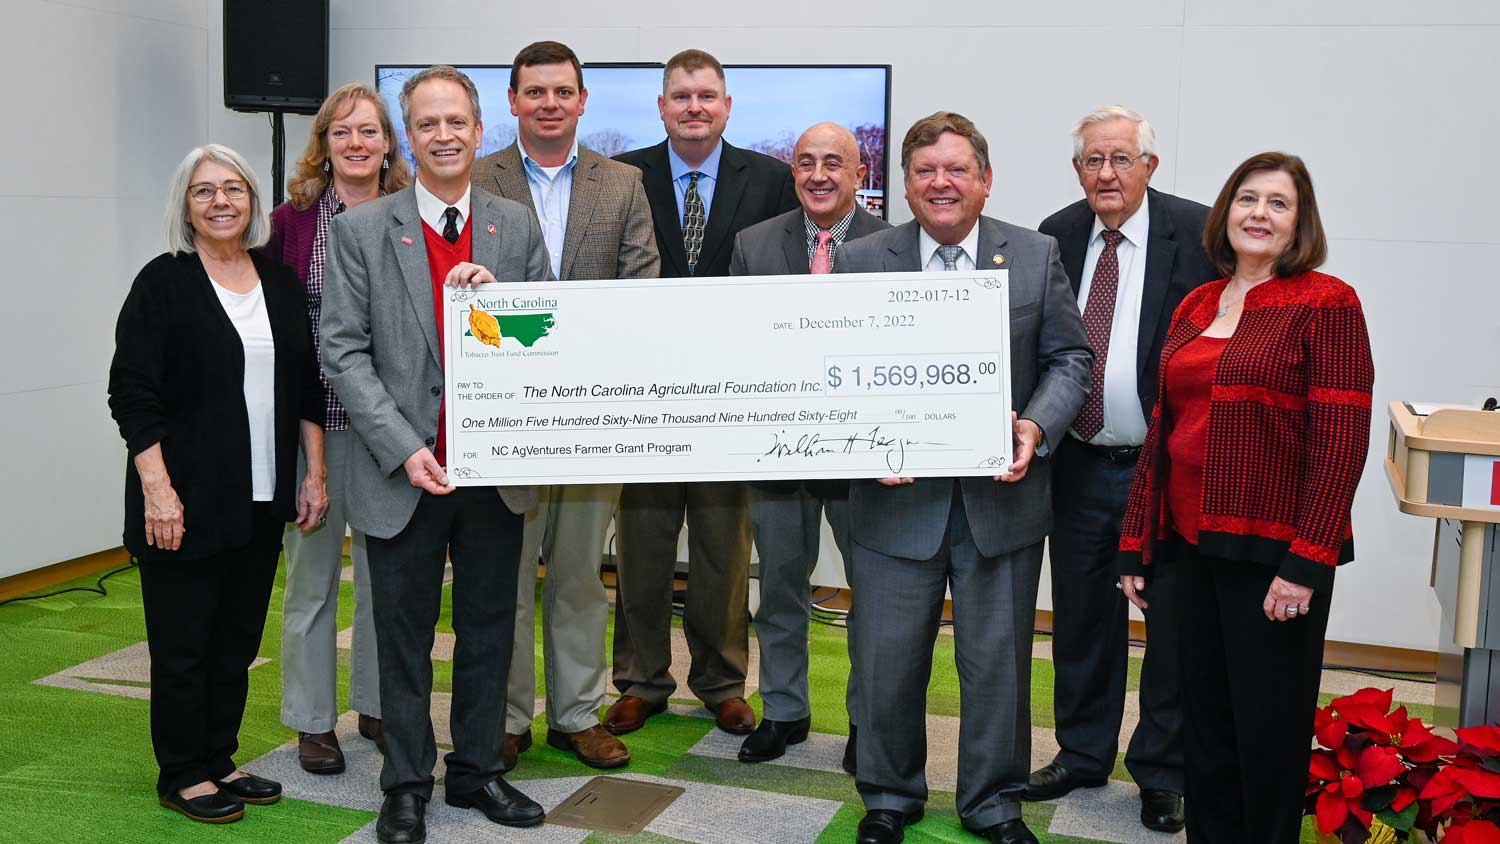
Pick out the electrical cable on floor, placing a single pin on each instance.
(97, 588)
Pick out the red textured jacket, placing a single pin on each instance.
(1288, 431)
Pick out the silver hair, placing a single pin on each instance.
(437, 71)
(179, 229)
(1145, 136)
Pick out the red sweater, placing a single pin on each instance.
(1288, 431)
(1189, 377)
(443, 256)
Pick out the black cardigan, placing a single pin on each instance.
(177, 378)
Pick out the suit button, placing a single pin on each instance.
(437, 391)
(431, 441)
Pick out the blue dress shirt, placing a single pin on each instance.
(706, 181)
(550, 192)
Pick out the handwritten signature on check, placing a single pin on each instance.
(809, 446)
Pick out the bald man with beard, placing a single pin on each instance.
(786, 517)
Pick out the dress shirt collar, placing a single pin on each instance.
(431, 209)
(839, 230)
(709, 168)
(927, 248)
(1136, 229)
(534, 168)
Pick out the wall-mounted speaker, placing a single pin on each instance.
(275, 55)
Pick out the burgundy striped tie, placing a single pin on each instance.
(1098, 315)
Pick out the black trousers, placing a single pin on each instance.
(1091, 631)
(1249, 706)
(204, 620)
(483, 537)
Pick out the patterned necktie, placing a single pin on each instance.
(822, 259)
(693, 218)
(450, 228)
(1098, 315)
(950, 255)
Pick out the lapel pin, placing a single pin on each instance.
(406, 240)
(999, 259)
(490, 228)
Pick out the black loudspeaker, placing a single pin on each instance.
(275, 55)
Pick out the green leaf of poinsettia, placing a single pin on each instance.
(1376, 799)
(1402, 822)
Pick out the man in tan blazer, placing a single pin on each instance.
(597, 224)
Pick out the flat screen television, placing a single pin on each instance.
(772, 105)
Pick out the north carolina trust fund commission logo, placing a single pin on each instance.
(493, 329)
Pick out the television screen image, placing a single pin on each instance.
(771, 105)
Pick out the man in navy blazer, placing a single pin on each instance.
(1131, 254)
(978, 538)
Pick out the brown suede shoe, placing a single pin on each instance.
(734, 716)
(515, 745)
(594, 747)
(373, 729)
(629, 714)
(319, 753)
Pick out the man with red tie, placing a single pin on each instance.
(786, 517)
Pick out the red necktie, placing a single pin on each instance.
(1098, 315)
(822, 259)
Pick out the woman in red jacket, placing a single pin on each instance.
(1244, 486)
(350, 159)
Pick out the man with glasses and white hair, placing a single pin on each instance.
(1131, 254)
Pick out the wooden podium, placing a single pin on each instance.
(1446, 466)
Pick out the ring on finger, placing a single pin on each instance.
(1291, 610)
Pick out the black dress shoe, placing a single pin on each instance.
(252, 789)
(218, 807)
(1010, 832)
(770, 739)
(1054, 781)
(1162, 810)
(848, 762)
(885, 826)
(401, 819)
(501, 803)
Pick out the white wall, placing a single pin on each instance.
(1389, 102)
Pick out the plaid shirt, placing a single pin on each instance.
(329, 205)
(840, 230)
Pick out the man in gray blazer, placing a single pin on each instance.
(597, 223)
(388, 261)
(786, 517)
(980, 538)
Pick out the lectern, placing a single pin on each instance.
(1446, 466)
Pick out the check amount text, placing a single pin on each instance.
(928, 374)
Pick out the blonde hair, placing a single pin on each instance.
(310, 180)
(180, 231)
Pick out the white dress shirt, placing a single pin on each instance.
(431, 209)
(551, 193)
(933, 262)
(1123, 422)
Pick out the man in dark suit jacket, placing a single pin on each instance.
(1131, 255)
(702, 192)
(787, 516)
(980, 538)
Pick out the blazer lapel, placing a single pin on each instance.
(991, 247)
(903, 254)
(1075, 249)
(1161, 250)
(410, 248)
(510, 173)
(580, 207)
(485, 238)
(656, 178)
(794, 245)
(730, 189)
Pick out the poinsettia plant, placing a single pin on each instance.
(1379, 774)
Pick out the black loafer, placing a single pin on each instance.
(1054, 781)
(218, 807)
(1010, 832)
(401, 819)
(1162, 810)
(252, 789)
(770, 739)
(885, 826)
(501, 803)
(849, 758)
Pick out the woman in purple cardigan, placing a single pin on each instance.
(349, 159)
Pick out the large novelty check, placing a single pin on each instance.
(750, 378)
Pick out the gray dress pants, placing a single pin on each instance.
(309, 629)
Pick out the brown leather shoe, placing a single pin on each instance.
(515, 745)
(374, 730)
(629, 714)
(319, 753)
(734, 716)
(594, 747)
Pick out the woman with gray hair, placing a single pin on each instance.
(212, 385)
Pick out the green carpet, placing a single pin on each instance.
(76, 765)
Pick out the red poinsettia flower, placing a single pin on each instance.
(1344, 775)
(1456, 782)
(1366, 708)
(1417, 743)
(1472, 832)
(1484, 740)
